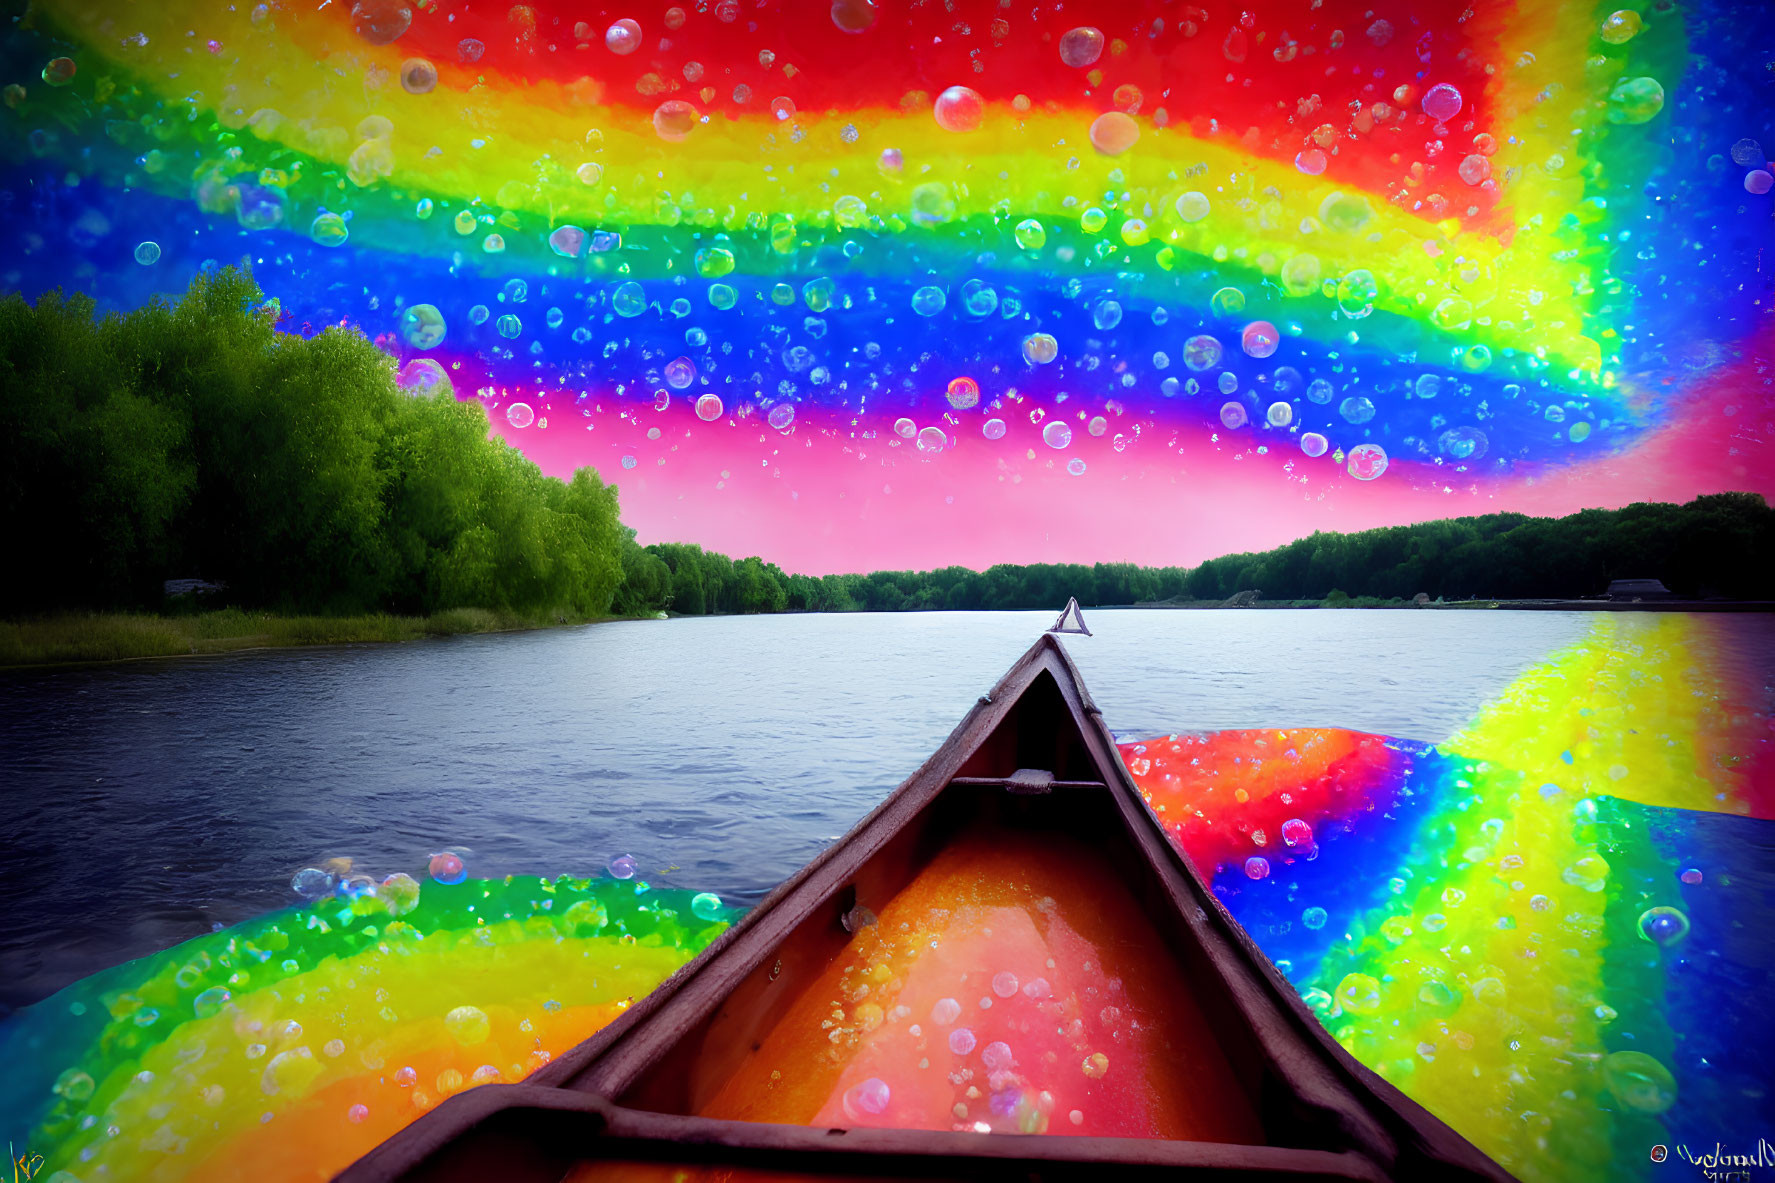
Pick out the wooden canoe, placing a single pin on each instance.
(1255, 1083)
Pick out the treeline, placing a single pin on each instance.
(1718, 545)
(195, 439)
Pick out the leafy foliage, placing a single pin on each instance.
(196, 439)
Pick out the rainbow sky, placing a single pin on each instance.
(1157, 281)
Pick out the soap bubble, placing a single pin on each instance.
(418, 76)
(978, 298)
(623, 866)
(1081, 46)
(1233, 416)
(1030, 235)
(1296, 832)
(399, 893)
(1620, 27)
(148, 253)
(1004, 984)
(1260, 339)
(1358, 994)
(1366, 461)
(1202, 352)
(623, 37)
(781, 416)
(510, 327)
(289, 1072)
(706, 905)
(993, 429)
(674, 119)
(422, 377)
(928, 300)
(1356, 294)
(1635, 100)
(59, 71)
(961, 1041)
(1314, 444)
(1356, 409)
(1096, 1065)
(1442, 102)
(568, 241)
(945, 1012)
(422, 326)
(1314, 918)
(1462, 443)
(680, 372)
(74, 1085)
(869, 1099)
(629, 299)
(963, 393)
(1113, 133)
(853, 16)
(311, 883)
(1639, 1082)
(447, 868)
(1663, 925)
(959, 109)
(1107, 315)
(905, 428)
(1192, 206)
(709, 408)
(1280, 414)
(1040, 348)
(1257, 867)
(468, 1025)
(210, 1002)
(381, 21)
(1057, 434)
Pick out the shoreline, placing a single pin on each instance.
(112, 638)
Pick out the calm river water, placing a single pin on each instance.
(145, 803)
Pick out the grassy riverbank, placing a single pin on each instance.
(118, 636)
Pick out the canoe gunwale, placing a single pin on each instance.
(576, 1123)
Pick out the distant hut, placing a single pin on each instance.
(1638, 589)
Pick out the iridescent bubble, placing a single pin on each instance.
(1635, 100)
(712, 262)
(869, 1099)
(623, 37)
(933, 203)
(1030, 235)
(1356, 409)
(447, 868)
(469, 50)
(1314, 444)
(1057, 434)
(568, 241)
(1356, 294)
(1280, 414)
(468, 1025)
(623, 866)
(1113, 133)
(1227, 302)
(928, 300)
(706, 905)
(1004, 984)
(357, 1114)
(1233, 416)
(708, 407)
(148, 253)
(1462, 443)
(961, 1041)
(399, 893)
(1075, 467)
(1081, 47)
(1040, 348)
(1296, 832)
(1366, 461)
(781, 416)
(74, 1085)
(210, 1002)
(963, 393)
(932, 440)
(509, 326)
(1620, 27)
(422, 326)
(1107, 315)
(1096, 1066)
(1358, 994)
(905, 428)
(1257, 867)
(1663, 925)
(520, 415)
(418, 76)
(674, 119)
(959, 109)
(853, 16)
(993, 429)
(59, 71)
(1639, 1082)
(1260, 339)
(1442, 102)
(311, 883)
(978, 298)
(1691, 876)
(945, 1012)
(1192, 206)
(1202, 353)
(629, 299)
(1314, 918)
(680, 372)
(1588, 873)
(381, 21)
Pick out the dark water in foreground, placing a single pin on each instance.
(145, 803)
